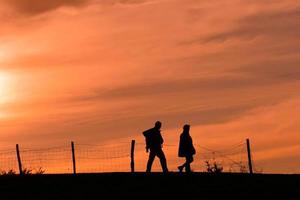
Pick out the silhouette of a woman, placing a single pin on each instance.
(186, 149)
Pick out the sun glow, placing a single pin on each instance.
(5, 80)
(4, 87)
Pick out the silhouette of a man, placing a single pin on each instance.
(154, 141)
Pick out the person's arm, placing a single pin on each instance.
(192, 146)
(147, 145)
(161, 138)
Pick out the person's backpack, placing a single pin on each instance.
(147, 135)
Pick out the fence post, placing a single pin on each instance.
(132, 155)
(249, 156)
(73, 157)
(19, 159)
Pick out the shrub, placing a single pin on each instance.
(214, 167)
(40, 171)
(27, 171)
(9, 172)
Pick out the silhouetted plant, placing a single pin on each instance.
(238, 167)
(9, 172)
(40, 171)
(27, 171)
(214, 167)
(243, 168)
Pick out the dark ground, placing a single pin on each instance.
(150, 186)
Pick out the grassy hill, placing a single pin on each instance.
(149, 186)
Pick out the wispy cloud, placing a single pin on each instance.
(36, 7)
(268, 24)
(33, 7)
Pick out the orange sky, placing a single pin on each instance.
(104, 70)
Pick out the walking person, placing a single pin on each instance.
(154, 142)
(186, 149)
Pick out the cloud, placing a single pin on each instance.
(279, 24)
(200, 102)
(122, 1)
(263, 74)
(34, 7)
(165, 87)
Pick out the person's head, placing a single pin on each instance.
(186, 128)
(158, 125)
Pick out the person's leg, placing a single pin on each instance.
(163, 160)
(187, 167)
(150, 160)
(189, 160)
(181, 167)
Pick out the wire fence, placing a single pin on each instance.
(103, 158)
(8, 161)
(49, 160)
(91, 158)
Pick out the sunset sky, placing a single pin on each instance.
(97, 71)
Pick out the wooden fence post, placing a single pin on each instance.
(249, 156)
(73, 157)
(132, 155)
(19, 159)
